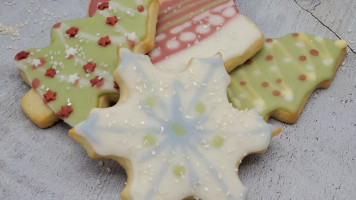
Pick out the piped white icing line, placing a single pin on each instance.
(178, 130)
(128, 11)
(232, 40)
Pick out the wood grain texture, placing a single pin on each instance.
(312, 159)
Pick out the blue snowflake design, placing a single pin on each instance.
(181, 133)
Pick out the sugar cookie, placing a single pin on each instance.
(74, 74)
(201, 28)
(176, 134)
(278, 81)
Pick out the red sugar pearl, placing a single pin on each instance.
(269, 40)
(279, 80)
(140, 8)
(243, 83)
(295, 35)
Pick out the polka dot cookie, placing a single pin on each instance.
(201, 28)
(175, 134)
(74, 74)
(278, 81)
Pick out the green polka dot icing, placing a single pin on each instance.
(193, 154)
(178, 170)
(151, 101)
(281, 75)
(79, 63)
(217, 141)
(179, 129)
(200, 108)
(150, 139)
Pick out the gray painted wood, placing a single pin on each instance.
(312, 159)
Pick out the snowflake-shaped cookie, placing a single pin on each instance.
(178, 131)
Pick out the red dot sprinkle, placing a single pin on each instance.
(302, 58)
(43, 62)
(35, 83)
(295, 35)
(265, 84)
(140, 8)
(302, 77)
(314, 52)
(279, 80)
(116, 86)
(269, 57)
(57, 25)
(269, 40)
(130, 42)
(21, 55)
(249, 62)
(276, 93)
(243, 83)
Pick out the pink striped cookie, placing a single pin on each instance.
(201, 28)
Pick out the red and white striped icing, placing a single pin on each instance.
(216, 28)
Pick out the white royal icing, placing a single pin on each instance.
(178, 130)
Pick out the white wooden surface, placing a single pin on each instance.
(312, 159)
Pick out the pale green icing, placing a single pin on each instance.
(246, 90)
(150, 139)
(179, 129)
(178, 170)
(151, 101)
(167, 12)
(83, 98)
(200, 108)
(217, 141)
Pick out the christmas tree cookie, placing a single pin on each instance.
(201, 28)
(74, 74)
(278, 81)
(175, 134)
